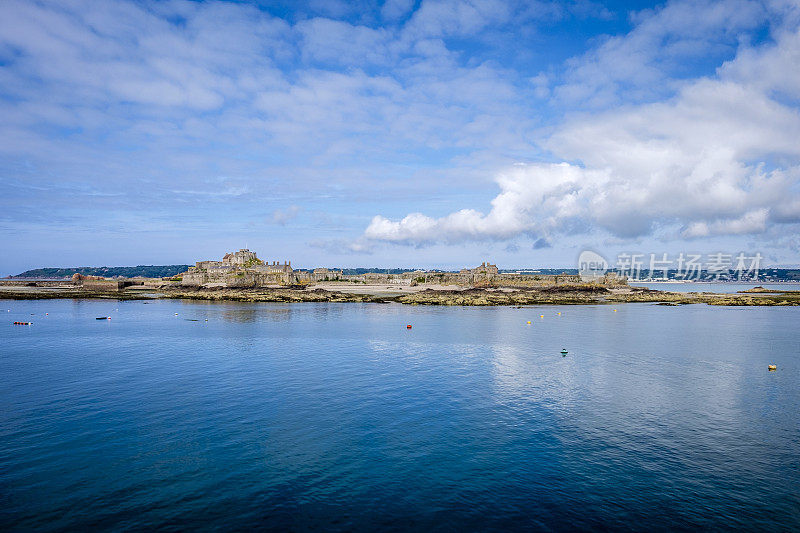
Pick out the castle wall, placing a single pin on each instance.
(104, 284)
(239, 269)
(244, 269)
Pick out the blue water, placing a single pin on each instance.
(720, 287)
(337, 417)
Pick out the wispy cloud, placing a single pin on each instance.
(370, 111)
(282, 216)
(719, 157)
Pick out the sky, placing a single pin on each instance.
(405, 133)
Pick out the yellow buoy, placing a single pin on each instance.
(541, 316)
(529, 321)
(559, 313)
(615, 310)
(772, 367)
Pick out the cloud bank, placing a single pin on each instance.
(719, 157)
(186, 127)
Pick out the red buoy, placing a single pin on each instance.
(408, 326)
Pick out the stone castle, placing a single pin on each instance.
(245, 269)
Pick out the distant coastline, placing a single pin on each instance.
(242, 276)
(144, 271)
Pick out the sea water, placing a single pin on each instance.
(725, 287)
(177, 414)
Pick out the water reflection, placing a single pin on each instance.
(241, 313)
(469, 420)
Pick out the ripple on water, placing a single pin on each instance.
(336, 416)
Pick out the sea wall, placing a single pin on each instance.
(108, 284)
(35, 282)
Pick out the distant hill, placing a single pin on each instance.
(147, 271)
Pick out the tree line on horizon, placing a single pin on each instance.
(145, 271)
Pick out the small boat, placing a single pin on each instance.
(103, 318)
(772, 367)
(23, 323)
(564, 352)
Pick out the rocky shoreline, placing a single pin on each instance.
(561, 295)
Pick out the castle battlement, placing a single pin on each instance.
(244, 269)
(240, 268)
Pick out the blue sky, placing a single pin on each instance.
(399, 133)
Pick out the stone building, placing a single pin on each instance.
(239, 269)
(241, 258)
(485, 269)
(245, 269)
(488, 275)
(325, 274)
(482, 274)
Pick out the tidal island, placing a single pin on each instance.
(243, 276)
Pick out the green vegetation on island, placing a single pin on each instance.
(141, 271)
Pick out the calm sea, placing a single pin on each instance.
(720, 287)
(337, 417)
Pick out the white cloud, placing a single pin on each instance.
(650, 61)
(337, 42)
(282, 216)
(203, 89)
(534, 199)
(721, 157)
(396, 9)
(440, 18)
(750, 222)
(139, 107)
